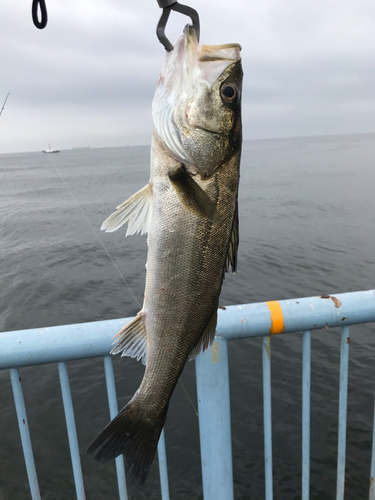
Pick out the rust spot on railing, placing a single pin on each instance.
(335, 300)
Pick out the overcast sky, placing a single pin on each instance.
(89, 77)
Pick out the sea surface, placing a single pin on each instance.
(307, 227)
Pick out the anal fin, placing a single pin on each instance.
(136, 210)
(206, 338)
(132, 340)
(191, 195)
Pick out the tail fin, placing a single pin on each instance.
(132, 434)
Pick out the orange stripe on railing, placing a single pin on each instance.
(277, 318)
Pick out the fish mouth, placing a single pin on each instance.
(209, 53)
(209, 61)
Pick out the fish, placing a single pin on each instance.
(189, 208)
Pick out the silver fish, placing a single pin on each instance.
(189, 209)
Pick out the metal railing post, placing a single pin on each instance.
(372, 473)
(214, 421)
(72, 431)
(306, 387)
(113, 410)
(267, 415)
(343, 405)
(25, 433)
(163, 471)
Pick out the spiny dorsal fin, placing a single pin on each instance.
(233, 244)
(191, 195)
(132, 340)
(206, 338)
(136, 210)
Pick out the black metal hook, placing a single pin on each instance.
(167, 6)
(43, 13)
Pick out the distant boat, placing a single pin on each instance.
(50, 150)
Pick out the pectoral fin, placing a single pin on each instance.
(191, 195)
(136, 210)
(132, 340)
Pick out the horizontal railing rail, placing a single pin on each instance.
(60, 344)
(93, 339)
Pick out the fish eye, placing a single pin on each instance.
(228, 92)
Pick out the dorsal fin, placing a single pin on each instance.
(206, 338)
(233, 244)
(136, 210)
(132, 340)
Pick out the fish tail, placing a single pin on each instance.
(132, 434)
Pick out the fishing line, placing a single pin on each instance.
(235, 487)
(93, 230)
(2, 109)
(113, 262)
(191, 402)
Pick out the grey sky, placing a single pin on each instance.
(89, 77)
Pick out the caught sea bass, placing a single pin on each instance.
(189, 209)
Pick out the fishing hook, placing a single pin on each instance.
(43, 13)
(167, 6)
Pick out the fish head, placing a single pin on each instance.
(197, 105)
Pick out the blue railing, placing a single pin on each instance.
(63, 343)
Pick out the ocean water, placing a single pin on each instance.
(307, 227)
